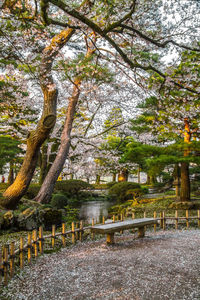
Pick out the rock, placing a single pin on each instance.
(8, 220)
(50, 217)
(32, 218)
(28, 219)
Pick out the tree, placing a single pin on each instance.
(105, 22)
(45, 124)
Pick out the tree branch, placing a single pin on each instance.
(156, 42)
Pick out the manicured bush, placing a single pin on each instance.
(119, 190)
(110, 184)
(72, 187)
(58, 201)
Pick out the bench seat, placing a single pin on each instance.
(111, 228)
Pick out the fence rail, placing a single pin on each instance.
(11, 258)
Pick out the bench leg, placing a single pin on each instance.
(141, 232)
(110, 238)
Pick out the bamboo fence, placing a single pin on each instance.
(12, 259)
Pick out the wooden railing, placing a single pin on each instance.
(12, 258)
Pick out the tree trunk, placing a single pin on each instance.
(148, 179)
(43, 163)
(177, 181)
(114, 175)
(11, 173)
(98, 178)
(46, 190)
(185, 183)
(123, 175)
(47, 121)
(185, 178)
(139, 180)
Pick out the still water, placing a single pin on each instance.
(94, 209)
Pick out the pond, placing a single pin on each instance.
(94, 209)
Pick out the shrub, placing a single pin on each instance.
(72, 187)
(3, 186)
(145, 190)
(119, 190)
(58, 201)
(32, 191)
(71, 215)
(110, 184)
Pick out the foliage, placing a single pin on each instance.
(72, 187)
(110, 184)
(58, 201)
(9, 150)
(71, 215)
(119, 190)
(100, 186)
(32, 191)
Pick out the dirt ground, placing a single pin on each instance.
(163, 265)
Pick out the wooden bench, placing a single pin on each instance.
(111, 228)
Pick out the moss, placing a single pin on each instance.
(8, 219)
(49, 217)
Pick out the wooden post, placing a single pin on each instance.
(110, 238)
(164, 220)
(145, 215)
(92, 234)
(35, 243)
(161, 220)
(29, 248)
(77, 233)
(12, 257)
(198, 213)
(81, 231)
(41, 240)
(1, 265)
(103, 220)
(73, 233)
(141, 232)
(176, 219)
(5, 264)
(155, 216)
(63, 235)
(21, 252)
(121, 219)
(133, 215)
(113, 218)
(53, 237)
(187, 215)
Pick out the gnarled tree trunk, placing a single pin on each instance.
(47, 121)
(47, 187)
(46, 190)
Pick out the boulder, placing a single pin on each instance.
(32, 218)
(8, 220)
(50, 216)
(28, 219)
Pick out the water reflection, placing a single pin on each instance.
(94, 209)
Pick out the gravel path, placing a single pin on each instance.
(165, 265)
